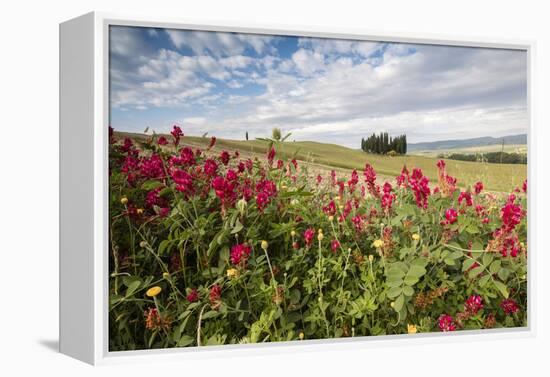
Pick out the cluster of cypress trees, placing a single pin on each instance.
(383, 143)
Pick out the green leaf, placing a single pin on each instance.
(502, 288)
(394, 292)
(487, 259)
(416, 270)
(484, 279)
(398, 304)
(476, 271)
(449, 261)
(467, 264)
(408, 291)
(237, 228)
(411, 280)
(132, 287)
(495, 266)
(151, 185)
(185, 341)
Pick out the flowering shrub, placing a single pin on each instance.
(207, 247)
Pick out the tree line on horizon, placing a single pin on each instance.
(383, 143)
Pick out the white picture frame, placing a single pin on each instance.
(84, 112)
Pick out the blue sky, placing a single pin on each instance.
(326, 90)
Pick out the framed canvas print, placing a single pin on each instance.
(233, 189)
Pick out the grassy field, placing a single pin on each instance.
(496, 177)
(511, 148)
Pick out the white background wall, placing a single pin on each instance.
(29, 182)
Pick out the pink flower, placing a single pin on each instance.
(473, 304)
(451, 216)
(215, 297)
(152, 167)
(370, 179)
(330, 209)
(446, 323)
(280, 164)
(210, 167)
(224, 157)
(162, 141)
(511, 215)
(309, 234)
(177, 133)
(240, 254)
(510, 306)
(524, 186)
(319, 179)
(212, 142)
(271, 155)
(334, 245)
(183, 180)
(193, 295)
(465, 196)
(478, 187)
(419, 184)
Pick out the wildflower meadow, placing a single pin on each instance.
(208, 247)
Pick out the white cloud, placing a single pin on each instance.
(217, 43)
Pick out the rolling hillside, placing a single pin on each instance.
(496, 177)
(467, 143)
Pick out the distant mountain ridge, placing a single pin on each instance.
(467, 143)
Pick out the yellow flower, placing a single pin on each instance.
(165, 275)
(284, 187)
(293, 233)
(139, 211)
(378, 244)
(301, 336)
(264, 244)
(142, 244)
(320, 236)
(416, 236)
(330, 218)
(411, 329)
(124, 200)
(371, 257)
(232, 273)
(320, 231)
(392, 304)
(153, 291)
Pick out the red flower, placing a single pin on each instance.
(224, 157)
(271, 155)
(510, 306)
(193, 295)
(510, 214)
(240, 254)
(334, 245)
(215, 297)
(210, 167)
(152, 167)
(465, 196)
(450, 216)
(330, 209)
(446, 323)
(162, 141)
(524, 186)
(478, 187)
(309, 234)
(177, 133)
(370, 179)
(280, 164)
(212, 142)
(319, 179)
(419, 184)
(183, 180)
(473, 304)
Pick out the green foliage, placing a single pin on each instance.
(292, 289)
